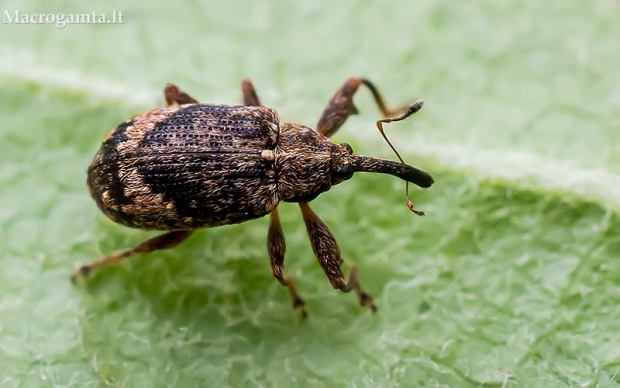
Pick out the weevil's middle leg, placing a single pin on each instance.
(341, 106)
(174, 95)
(276, 246)
(327, 252)
(164, 241)
(250, 98)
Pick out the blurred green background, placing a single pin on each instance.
(512, 279)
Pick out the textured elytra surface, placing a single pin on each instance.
(188, 167)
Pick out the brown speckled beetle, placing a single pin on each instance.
(191, 165)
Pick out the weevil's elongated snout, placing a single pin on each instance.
(359, 163)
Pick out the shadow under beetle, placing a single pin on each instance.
(192, 165)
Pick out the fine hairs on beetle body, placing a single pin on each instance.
(190, 165)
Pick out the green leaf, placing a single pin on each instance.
(511, 279)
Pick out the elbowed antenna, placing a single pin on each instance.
(360, 163)
(411, 174)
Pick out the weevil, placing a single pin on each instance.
(191, 165)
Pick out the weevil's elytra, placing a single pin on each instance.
(191, 165)
(188, 167)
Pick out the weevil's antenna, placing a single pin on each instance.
(416, 106)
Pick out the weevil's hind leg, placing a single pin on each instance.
(164, 241)
(327, 252)
(174, 95)
(341, 106)
(250, 98)
(276, 247)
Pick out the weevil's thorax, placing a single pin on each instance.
(303, 163)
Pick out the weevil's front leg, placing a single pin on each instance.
(250, 98)
(327, 252)
(276, 247)
(174, 95)
(341, 106)
(164, 241)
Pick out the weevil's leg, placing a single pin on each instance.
(327, 252)
(250, 98)
(341, 106)
(276, 247)
(164, 241)
(174, 95)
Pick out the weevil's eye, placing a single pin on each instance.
(348, 147)
(342, 173)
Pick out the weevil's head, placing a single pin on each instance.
(341, 167)
(308, 164)
(345, 163)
